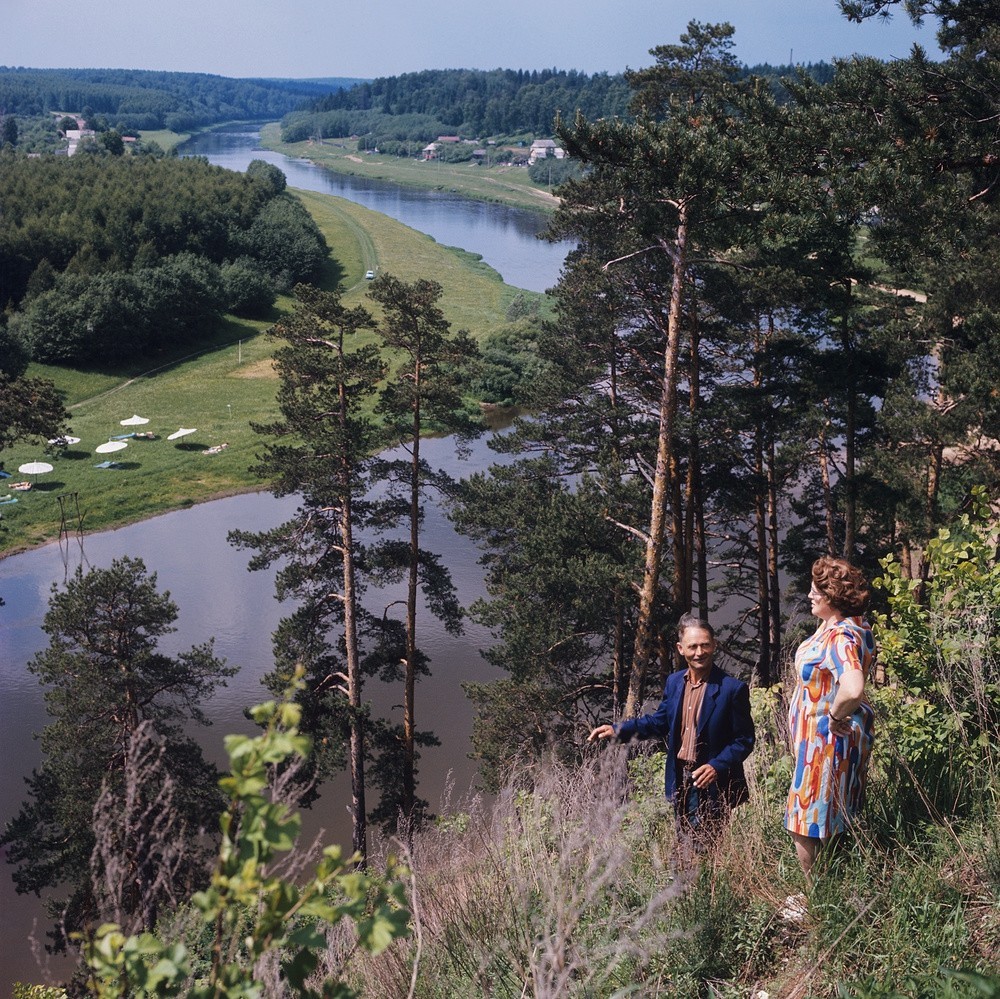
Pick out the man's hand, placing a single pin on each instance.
(704, 776)
(602, 732)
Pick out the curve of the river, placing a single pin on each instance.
(218, 598)
(506, 238)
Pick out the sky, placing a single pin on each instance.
(371, 38)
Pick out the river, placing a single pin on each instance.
(216, 595)
(506, 238)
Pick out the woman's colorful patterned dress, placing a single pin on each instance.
(828, 783)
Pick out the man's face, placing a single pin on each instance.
(697, 647)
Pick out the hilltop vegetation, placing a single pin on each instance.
(776, 338)
(132, 99)
(477, 103)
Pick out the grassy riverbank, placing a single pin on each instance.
(505, 184)
(218, 390)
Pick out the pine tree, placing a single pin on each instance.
(105, 680)
(422, 395)
(323, 449)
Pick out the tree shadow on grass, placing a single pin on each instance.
(330, 275)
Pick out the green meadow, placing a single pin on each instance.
(218, 391)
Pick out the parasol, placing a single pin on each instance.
(183, 432)
(34, 468)
(134, 421)
(109, 447)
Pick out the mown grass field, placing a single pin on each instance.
(219, 390)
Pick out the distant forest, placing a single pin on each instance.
(411, 106)
(145, 99)
(477, 103)
(102, 253)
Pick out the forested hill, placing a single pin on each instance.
(474, 102)
(147, 99)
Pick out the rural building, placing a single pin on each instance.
(543, 149)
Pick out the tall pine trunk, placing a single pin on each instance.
(763, 589)
(830, 515)
(410, 679)
(359, 811)
(850, 438)
(649, 590)
(773, 538)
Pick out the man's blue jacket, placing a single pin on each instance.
(725, 731)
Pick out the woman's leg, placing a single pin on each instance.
(806, 848)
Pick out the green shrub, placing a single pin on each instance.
(22, 991)
(940, 647)
(251, 912)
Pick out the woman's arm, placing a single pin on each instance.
(850, 694)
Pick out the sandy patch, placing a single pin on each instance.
(259, 369)
(354, 159)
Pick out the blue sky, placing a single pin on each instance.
(369, 38)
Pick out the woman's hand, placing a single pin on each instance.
(850, 694)
(840, 726)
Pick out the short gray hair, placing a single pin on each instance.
(693, 621)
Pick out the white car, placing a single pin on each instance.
(369, 275)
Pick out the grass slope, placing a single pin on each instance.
(218, 390)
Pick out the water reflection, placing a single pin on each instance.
(217, 596)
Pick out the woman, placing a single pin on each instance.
(831, 722)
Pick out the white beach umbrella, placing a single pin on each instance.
(64, 440)
(34, 468)
(110, 446)
(134, 421)
(183, 432)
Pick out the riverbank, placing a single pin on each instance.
(217, 392)
(504, 184)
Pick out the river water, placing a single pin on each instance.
(216, 595)
(506, 238)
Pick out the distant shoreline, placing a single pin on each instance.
(219, 389)
(501, 185)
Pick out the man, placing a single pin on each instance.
(705, 718)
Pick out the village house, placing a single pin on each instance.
(543, 149)
(74, 136)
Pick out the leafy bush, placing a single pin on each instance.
(248, 291)
(86, 317)
(252, 912)
(509, 360)
(286, 241)
(940, 646)
(552, 172)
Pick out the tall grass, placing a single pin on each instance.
(565, 887)
(538, 893)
